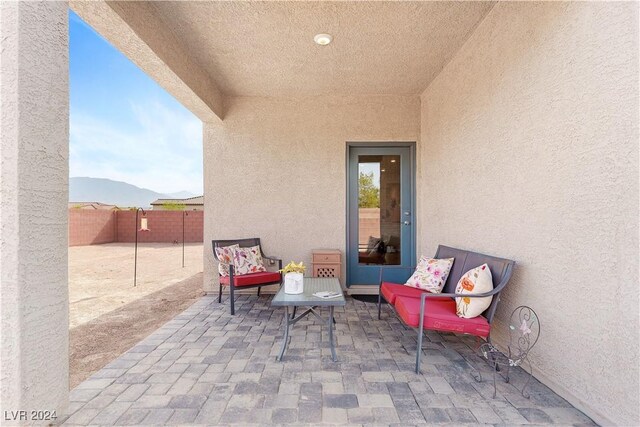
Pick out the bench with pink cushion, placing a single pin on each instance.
(422, 310)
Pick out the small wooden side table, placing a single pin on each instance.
(326, 262)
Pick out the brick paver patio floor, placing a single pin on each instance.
(208, 367)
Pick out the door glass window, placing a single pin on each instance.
(379, 209)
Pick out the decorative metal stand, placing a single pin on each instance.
(524, 331)
(184, 213)
(143, 227)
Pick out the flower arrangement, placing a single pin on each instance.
(292, 267)
(293, 277)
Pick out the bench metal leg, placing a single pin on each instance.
(495, 370)
(419, 349)
(220, 294)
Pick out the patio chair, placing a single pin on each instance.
(423, 310)
(524, 331)
(245, 281)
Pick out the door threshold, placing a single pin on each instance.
(363, 290)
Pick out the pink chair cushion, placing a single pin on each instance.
(252, 279)
(390, 291)
(440, 315)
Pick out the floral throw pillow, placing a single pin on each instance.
(225, 256)
(431, 274)
(475, 281)
(248, 260)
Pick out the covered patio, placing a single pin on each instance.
(208, 367)
(518, 128)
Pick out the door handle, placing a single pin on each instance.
(407, 223)
(407, 213)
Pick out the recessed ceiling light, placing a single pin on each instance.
(393, 160)
(383, 170)
(322, 39)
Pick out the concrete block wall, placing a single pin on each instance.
(92, 227)
(164, 226)
(369, 224)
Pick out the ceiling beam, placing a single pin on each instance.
(135, 30)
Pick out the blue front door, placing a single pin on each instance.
(380, 229)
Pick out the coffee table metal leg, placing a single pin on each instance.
(330, 323)
(286, 333)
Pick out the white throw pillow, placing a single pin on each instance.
(431, 274)
(247, 261)
(475, 281)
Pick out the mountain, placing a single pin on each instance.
(85, 189)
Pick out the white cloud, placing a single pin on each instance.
(160, 149)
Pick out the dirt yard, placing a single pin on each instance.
(108, 315)
(101, 276)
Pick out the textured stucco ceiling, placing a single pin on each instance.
(267, 48)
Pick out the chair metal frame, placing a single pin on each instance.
(243, 243)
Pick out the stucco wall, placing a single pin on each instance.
(34, 173)
(530, 151)
(275, 168)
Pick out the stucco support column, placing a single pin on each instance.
(34, 154)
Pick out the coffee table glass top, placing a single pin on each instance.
(311, 286)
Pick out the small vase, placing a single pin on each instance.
(293, 283)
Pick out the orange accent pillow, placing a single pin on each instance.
(475, 281)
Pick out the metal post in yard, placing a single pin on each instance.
(183, 239)
(143, 227)
(184, 213)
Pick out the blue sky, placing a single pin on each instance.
(123, 125)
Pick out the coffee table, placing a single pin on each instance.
(306, 299)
